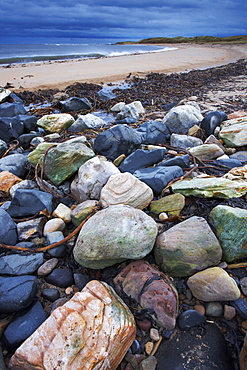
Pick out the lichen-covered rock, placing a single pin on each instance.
(187, 247)
(151, 290)
(82, 210)
(125, 188)
(230, 227)
(94, 329)
(173, 204)
(181, 118)
(55, 122)
(122, 231)
(234, 132)
(36, 155)
(213, 284)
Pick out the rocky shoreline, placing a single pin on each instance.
(127, 204)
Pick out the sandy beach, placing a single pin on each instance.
(59, 74)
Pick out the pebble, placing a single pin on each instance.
(51, 294)
(190, 318)
(229, 312)
(149, 347)
(154, 334)
(144, 324)
(200, 309)
(214, 309)
(60, 277)
(149, 363)
(54, 224)
(63, 212)
(47, 267)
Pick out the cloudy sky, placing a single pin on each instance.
(39, 21)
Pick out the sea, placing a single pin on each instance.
(26, 53)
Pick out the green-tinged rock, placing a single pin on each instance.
(234, 132)
(187, 247)
(210, 187)
(55, 122)
(81, 211)
(173, 204)
(36, 156)
(113, 235)
(230, 227)
(207, 151)
(65, 159)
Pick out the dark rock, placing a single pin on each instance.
(3, 146)
(141, 158)
(2, 364)
(190, 318)
(23, 325)
(26, 244)
(51, 294)
(203, 349)
(212, 120)
(14, 163)
(8, 230)
(27, 202)
(31, 228)
(55, 237)
(158, 177)
(75, 104)
(153, 132)
(29, 122)
(240, 156)
(16, 293)
(126, 120)
(182, 161)
(80, 280)
(241, 307)
(8, 130)
(62, 278)
(120, 139)
(15, 264)
(25, 140)
(136, 347)
(11, 109)
(105, 94)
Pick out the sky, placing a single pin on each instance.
(79, 21)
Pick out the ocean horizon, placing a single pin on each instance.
(27, 53)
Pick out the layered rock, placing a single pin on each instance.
(234, 132)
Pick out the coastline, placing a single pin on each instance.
(59, 74)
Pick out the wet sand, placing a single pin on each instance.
(59, 74)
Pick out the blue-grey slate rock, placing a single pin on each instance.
(182, 161)
(15, 264)
(28, 202)
(240, 156)
(26, 244)
(75, 104)
(224, 164)
(158, 177)
(8, 229)
(241, 307)
(120, 139)
(212, 120)
(51, 294)
(55, 237)
(153, 132)
(15, 163)
(7, 130)
(3, 146)
(23, 325)
(29, 122)
(16, 293)
(126, 120)
(105, 94)
(25, 139)
(11, 109)
(141, 158)
(202, 348)
(190, 318)
(80, 280)
(62, 278)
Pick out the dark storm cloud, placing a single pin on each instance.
(129, 19)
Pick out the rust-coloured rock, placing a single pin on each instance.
(7, 179)
(151, 290)
(93, 330)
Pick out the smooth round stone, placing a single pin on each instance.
(144, 324)
(190, 318)
(214, 309)
(61, 278)
(51, 294)
(81, 280)
(136, 347)
(55, 224)
(200, 309)
(229, 312)
(47, 267)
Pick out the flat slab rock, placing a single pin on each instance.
(91, 331)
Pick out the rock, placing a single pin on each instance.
(51, 294)
(236, 173)
(36, 156)
(8, 232)
(214, 309)
(190, 318)
(52, 238)
(28, 202)
(213, 284)
(54, 224)
(153, 132)
(47, 267)
(120, 139)
(24, 184)
(11, 109)
(237, 114)
(233, 132)
(131, 110)
(14, 163)
(187, 247)
(4, 93)
(229, 312)
(212, 120)
(60, 277)
(63, 212)
(181, 118)
(22, 326)
(243, 285)
(148, 363)
(212, 140)
(118, 107)
(25, 140)
(87, 121)
(158, 177)
(29, 122)
(75, 104)
(105, 95)
(16, 293)
(151, 290)
(230, 227)
(55, 122)
(8, 131)
(31, 229)
(185, 141)
(81, 280)
(65, 159)
(182, 161)
(202, 349)
(241, 307)
(210, 187)
(66, 338)
(134, 236)
(91, 177)
(80, 212)
(141, 158)
(3, 147)
(240, 155)
(125, 188)
(23, 265)
(207, 152)
(173, 204)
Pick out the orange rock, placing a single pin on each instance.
(8, 179)
(238, 114)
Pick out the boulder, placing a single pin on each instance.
(141, 158)
(87, 121)
(181, 118)
(55, 122)
(153, 132)
(133, 237)
(75, 104)
(15, 163)
(234, 132)
(11, 109)
(185, 141)
(8, 232)
(36, 156)
(187, 247)
(212, 120)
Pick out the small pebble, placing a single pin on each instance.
(243, 285)
(154, 334)
(62, 278)
(149, 347)
(163, 216)
(51, 294)
(149, 363)
(63, 212)
(214, 309)
(144, 324)
(69, 290)
(229, 312)
(200, 308)
(55, 224)
(47, 267)
(135, 347)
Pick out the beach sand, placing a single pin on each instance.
(59, 74)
